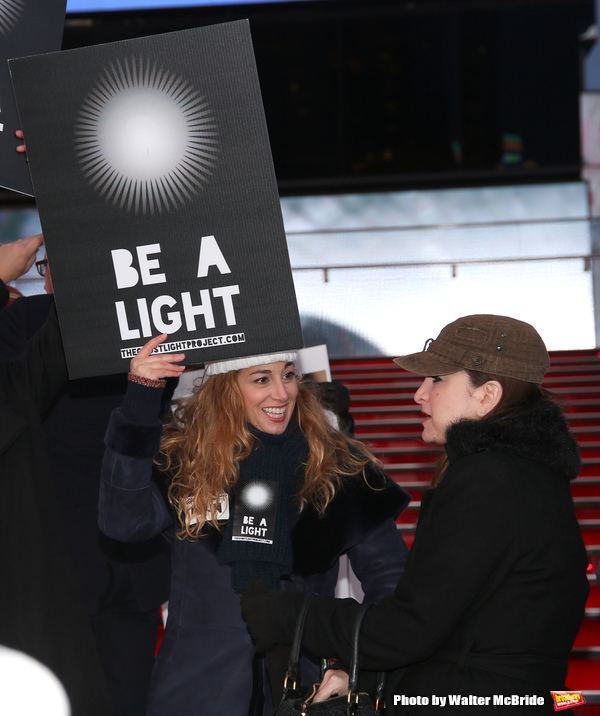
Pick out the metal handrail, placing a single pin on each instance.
(442, 226)
(453, 264)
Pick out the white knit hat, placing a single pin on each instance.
(224, 366)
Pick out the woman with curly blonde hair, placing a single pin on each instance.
(259, 486)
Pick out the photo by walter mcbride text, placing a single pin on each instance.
(470, 700)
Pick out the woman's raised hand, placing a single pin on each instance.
(158, 365)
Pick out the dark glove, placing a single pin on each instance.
(270, 614)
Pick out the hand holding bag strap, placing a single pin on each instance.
(293, 703)
(293, 671)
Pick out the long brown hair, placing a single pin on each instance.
(208, 437)
(518, 397)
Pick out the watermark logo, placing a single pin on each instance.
(567, 699)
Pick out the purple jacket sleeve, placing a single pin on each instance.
(378, 561)
(132, 507)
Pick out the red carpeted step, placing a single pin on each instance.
(590, 529)
(586, 486)
(589, 634)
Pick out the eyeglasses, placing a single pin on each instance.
(41, 266)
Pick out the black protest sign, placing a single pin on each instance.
(157, 198)
(27, 27)
(255, 512)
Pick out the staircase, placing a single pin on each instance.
(387, 419)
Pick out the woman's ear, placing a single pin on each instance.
(489, 397)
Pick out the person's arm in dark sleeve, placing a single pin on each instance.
(131, 506)
(378, 561)
(457, 558)
(20, 321)
(4, 294)
(42, 370)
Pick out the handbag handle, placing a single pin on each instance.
(354, 666)
(293, 671)
(353, 676)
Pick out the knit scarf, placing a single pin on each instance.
(275, 465)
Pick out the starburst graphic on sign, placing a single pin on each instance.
(256, 496)
(10, 14)
(145, 139)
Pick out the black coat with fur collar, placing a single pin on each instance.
(495, 584)
(540, 435)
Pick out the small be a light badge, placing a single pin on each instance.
(567, 699)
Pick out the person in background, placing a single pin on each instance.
(16, 258)
(259, 485)
(495, 585)
(336, 398)
(41, 613)
(122, 586)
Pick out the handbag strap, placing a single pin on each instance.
(354, 665)
(354, 662)
(293, 671)
(379, 695)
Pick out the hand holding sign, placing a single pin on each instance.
(158, 365)
(19, 135)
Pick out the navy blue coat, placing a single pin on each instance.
(205, 664)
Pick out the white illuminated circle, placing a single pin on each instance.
(10, 14)
(146, 140)
(256, 496)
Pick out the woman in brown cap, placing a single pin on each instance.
(495, 585)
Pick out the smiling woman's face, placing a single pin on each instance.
(445, 400)
(269, 392)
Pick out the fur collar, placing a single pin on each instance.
(540, 435)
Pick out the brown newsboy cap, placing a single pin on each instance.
(490, 344)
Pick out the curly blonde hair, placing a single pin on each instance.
(208, 437)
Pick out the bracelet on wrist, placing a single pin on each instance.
(148, 382)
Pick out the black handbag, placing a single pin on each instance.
(299, 702)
